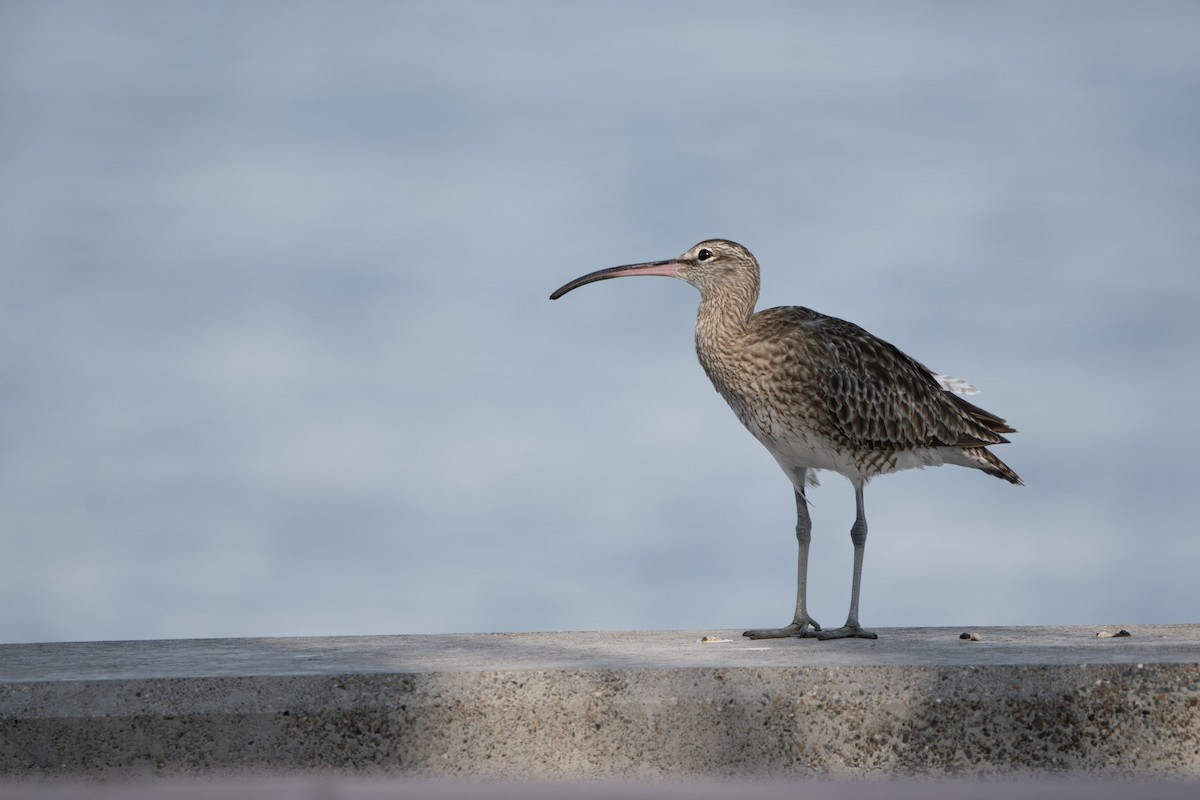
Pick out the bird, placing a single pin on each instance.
(821, 393)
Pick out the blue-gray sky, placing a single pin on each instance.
(276, 354)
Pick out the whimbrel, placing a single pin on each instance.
(821, 393)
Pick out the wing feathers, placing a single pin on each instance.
(873, 394)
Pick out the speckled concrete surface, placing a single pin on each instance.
(658, 705)
(344, 787)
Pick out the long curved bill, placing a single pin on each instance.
(669, 268)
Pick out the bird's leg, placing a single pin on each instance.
(801, 621)
(858, 535)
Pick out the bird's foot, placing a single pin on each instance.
(798, 629)
(848, 631)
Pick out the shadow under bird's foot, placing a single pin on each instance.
(848, 632)
(796, 629)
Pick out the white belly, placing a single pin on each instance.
(803, 450)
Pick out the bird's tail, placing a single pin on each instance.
(985, 460)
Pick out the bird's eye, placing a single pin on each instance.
(704, 255)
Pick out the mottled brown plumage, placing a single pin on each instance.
(792, 372)
(821, 393)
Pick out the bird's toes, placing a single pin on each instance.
(848, 632)
(796, 629)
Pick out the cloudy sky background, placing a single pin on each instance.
(276, 354)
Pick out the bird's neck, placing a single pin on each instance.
(723, 316)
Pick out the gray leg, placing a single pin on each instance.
(801, 621)
(858, 535)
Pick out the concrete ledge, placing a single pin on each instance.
(917, 702)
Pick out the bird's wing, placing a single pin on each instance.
(871, 393)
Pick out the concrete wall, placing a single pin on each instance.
(622, 705)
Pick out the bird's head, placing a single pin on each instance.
(709, 266)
